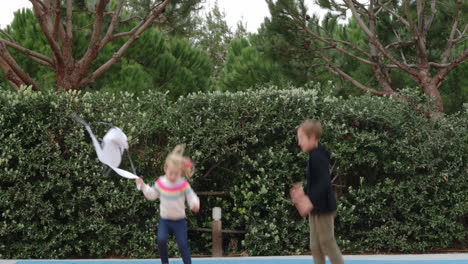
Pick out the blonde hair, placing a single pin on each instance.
(311, 128)
(177, 158)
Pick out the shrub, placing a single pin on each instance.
(400, 176)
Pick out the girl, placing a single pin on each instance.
(172, 189)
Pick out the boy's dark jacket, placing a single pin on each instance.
(319, 187)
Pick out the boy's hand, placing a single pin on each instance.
(301, 201)
(296, 191)
(139, 183)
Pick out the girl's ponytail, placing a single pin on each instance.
(176, 157)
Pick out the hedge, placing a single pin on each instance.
(401, 177)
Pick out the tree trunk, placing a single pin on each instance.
(68, 80)
(432, 90)
(430, 87)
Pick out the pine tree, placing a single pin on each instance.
(166, 63)
(214, 36)
(180, 18)
(246, 68)
(282, 41)
(400, 43)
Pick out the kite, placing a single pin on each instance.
(111, 150)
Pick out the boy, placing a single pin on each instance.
(320, 192)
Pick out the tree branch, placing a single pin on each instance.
(70, 19)
(28, 52)
(125, 46)
(382, 78)
(13, 79)
(359, 4)
(419, 35)
(399, 44)
(42, 17)
(44, 60)
(131, 18)
(420, 12)
(129, 33)
(431, 18)
(330, 41)
(448, 49)
(338, 72)
(439, 65)
(58, 17)
(110, 30)
(444, 71)
(402, 54)
(380, 8)
(15, 68)
(67, 39)
(39, 3)
(94, 44)
(400, 18)
(379, 45)
(7, 35)
(462, 36)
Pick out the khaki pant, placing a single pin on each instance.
(322, 239)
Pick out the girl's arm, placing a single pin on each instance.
(193, 200)
(150, 192)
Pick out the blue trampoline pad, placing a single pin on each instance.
(241, 261)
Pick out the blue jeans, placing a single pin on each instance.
(179, 228)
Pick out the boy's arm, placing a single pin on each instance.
(151, 193)
(322, 179)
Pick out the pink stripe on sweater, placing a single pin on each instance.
(176, 188)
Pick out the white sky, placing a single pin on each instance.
(252, 12)
(7, 9)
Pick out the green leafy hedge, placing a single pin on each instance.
(401, 177)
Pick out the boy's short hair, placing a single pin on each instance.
(311, 128)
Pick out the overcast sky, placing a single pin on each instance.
(252, 12)
(7, 8)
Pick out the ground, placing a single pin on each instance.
(357, 259)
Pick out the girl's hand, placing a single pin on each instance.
(196, 208)
(139, 183)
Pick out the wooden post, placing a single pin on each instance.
(217, 239)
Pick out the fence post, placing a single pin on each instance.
(217, 234)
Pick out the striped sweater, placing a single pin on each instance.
(172, 196)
